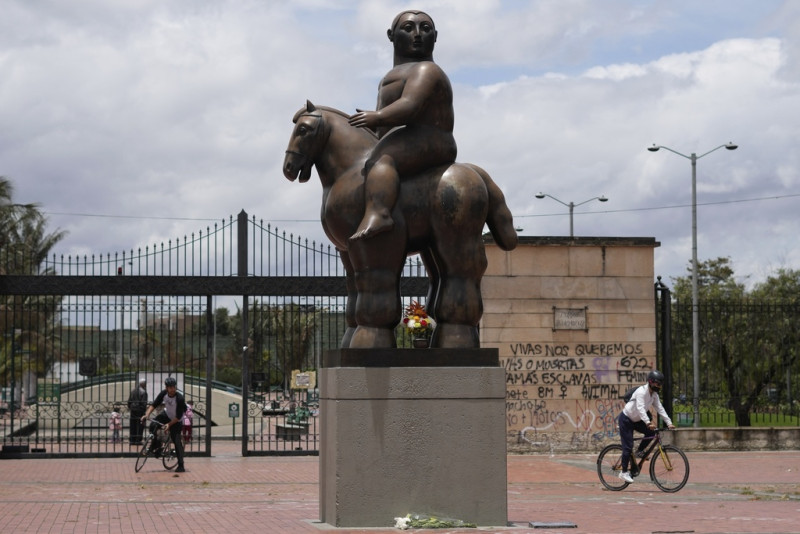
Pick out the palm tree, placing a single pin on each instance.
(24, 241)
(27, 320)
(11, 215)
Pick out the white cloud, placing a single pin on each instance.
(616, 72)
(183, 110)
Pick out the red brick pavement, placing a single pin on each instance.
(732, 492)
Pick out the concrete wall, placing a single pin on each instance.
(737, 439)
(564, 385)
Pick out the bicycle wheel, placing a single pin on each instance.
(669, 469)
(609, 466)
(168, 455)
(141, 458)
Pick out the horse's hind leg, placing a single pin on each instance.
(459, 305)
(458, 216)
(462, 261)
(433, 276)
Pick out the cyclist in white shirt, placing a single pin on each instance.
(635, 416)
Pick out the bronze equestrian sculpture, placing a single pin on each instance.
(391, 188)
(440, 213)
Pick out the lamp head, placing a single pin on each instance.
(731, 146)
(602, 198)
(540, 195)
(653, 148)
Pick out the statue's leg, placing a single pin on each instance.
(459, 305)
(381, 189)
(459, 252)
(378, 263)
(352, 299)
(433, 276)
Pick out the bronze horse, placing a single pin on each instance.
(440, 214)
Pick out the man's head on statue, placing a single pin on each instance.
(413, 34)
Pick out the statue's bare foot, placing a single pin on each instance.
(371, 225)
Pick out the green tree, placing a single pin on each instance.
(29, 321)
(222, 319)
(715, 280)
(783, 289)
(294, 327)
(24, 240)
(743, 344)
(784, 285)
(11, 214)
(280, 338)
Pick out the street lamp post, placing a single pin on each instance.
(695, 299)
(571, 206)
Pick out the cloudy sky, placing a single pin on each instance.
(137, 121)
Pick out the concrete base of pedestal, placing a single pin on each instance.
(399, 440)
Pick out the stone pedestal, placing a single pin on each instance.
(427, 438)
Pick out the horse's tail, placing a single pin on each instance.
(499, 219)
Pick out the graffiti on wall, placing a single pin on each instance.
(567, 396)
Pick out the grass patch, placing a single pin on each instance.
(722, 417)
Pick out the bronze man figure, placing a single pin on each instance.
(414, 120)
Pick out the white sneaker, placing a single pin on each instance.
(626, 476)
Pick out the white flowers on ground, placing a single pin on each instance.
(427, 521)
(402, 522)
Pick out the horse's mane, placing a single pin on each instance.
(335, 111)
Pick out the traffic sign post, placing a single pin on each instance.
(233, 413)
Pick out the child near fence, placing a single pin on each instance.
(115, 424)
(187, 421)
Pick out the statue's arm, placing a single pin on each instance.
(418, 93)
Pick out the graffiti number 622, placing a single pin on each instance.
(633, 362)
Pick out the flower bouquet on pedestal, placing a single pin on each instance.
(418, 324)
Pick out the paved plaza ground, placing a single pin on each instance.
(728, 492)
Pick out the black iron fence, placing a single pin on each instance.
(240, 312)
(749, 362)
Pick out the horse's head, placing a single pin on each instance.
(305, 143)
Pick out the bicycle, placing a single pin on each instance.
(169, 457)
(669, 467)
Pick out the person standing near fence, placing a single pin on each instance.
(137, 404)
(115, 423)
(187, 421)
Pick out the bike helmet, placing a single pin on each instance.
(170, 381)
(655, 379)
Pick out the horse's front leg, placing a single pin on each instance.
(377, 309)
(352, 299)
(377, 280)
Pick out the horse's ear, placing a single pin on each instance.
(310, 107)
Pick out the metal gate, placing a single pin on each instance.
(239, 312)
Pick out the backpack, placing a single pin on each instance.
(629, 394)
